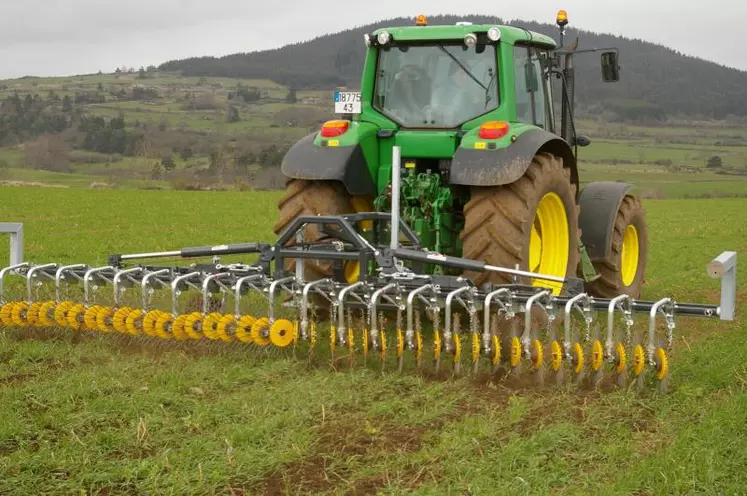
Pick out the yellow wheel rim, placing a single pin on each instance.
(597, 355)
(629, 255)
(578, 352)
(281, 333)
(538, 353)
(257, 328)
(475, 347)
(549, 242)
(639, 360)
(244, 329)
(662, 364)
(515, 351)
(557, 355)
(496, 358)
(622, 358)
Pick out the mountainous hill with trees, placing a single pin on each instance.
(656, 82)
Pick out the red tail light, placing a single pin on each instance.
(493, 130)
(333, 129)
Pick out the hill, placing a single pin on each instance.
(657, 82)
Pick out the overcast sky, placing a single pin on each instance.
(64, 37)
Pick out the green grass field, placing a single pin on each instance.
(100, 415)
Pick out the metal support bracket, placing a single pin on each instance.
(724, 267)
(15, 229)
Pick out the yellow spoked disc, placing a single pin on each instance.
(515, 351)
(312, 334)
(281, 333)
(556, 356)
(46, 314)
(226, 323)
(75, 317)
(662, 364)
(400, 343)
(622, 358)
(364, 341)
(257, 335)
(475, 347)
(60, 313)
(244, 329)
(149, 322)
(332, 338)
(457, 347)
(119, 320)
(538, 355)
(18, 313)
(578, 358)
(89, 318)
(210, 326)
(418, 345)
(134, 321)
(351, 339)
(163, 325)
(193, 325)
(177, 328)
(597, 355)
(639, 360)
(6, 312)
(104, 319)
(495, 359)
(32, 314)
(383, 345)
(436, 345)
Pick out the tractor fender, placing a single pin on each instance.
(599, 203)
(346, 164)
(471, 167)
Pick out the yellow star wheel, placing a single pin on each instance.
(257, 334)
(119, 321)
(104, 319)
(418, 346)
(475, 347)
(556, 356)
(32, 314)
(226, 323)
(622, 358)
(351, 340)
(244, 329)
(457, 347)
(193, 325)
(134, 321)
(597, 355)
(537, 354)
(383, 345)
(177, 328)
(210, 326)
(46, 314)
(149, 322)
(6, 312)
(332, 338)
(515, 351)
(364, 342)
(436, 345)
(89, 318)
(60, 313)
(163, 324)
(281, 333)
(495, 357)
(74, 317)
(662, 364)
(578, 358)
(18, 314)
(639, 360)
(400, 343)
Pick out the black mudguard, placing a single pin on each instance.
(346, 164)
(599, 202)
(506, 165)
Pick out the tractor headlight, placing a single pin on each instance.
(383, 38)
(494, 34)
(470, 39)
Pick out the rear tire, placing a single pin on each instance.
(312, 198)
(623, 272)
(499, 221)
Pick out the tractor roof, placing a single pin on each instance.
(509, 34)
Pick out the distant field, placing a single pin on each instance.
(101, 415)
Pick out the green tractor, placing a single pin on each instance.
(486, 175)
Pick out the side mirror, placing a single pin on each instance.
(610, 67)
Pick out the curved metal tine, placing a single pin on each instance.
(666, 306)
(87, 280)
(175, 291)
(616, 302)
(206, 289)
(447, 318)
(525, 339)
(307, 288)
(116, 281)
(569, 306)
(240, 283)
(410, 330)
(4, 272)
(144, 284)
(30, 276)
(271, 296)
(374, 328)
(505, 307)
(341, 324)
(59, 275)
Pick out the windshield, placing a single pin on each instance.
(436, 85)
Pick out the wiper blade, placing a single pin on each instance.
(462, 66)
